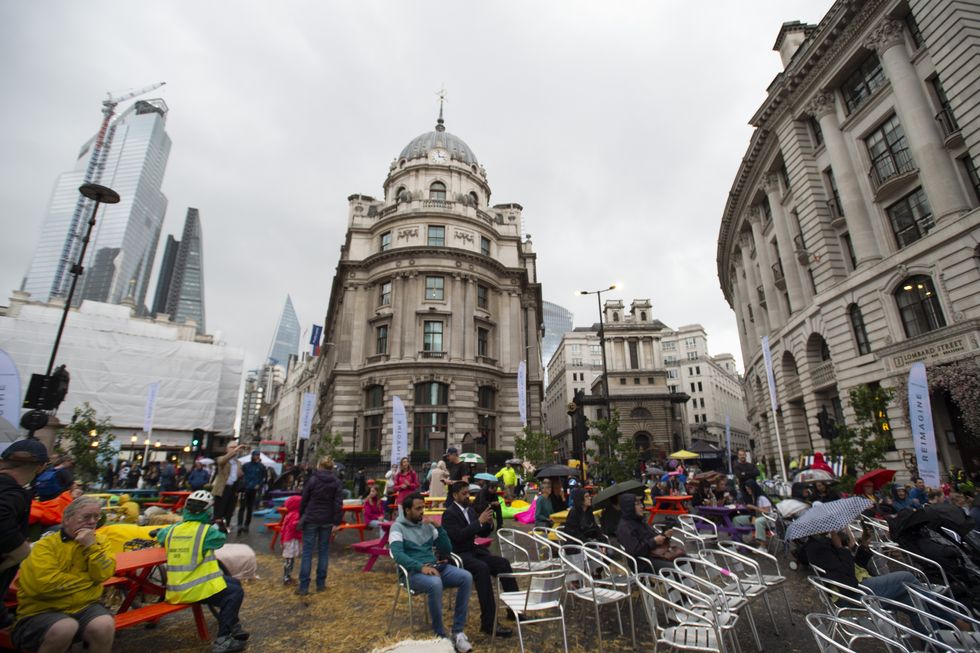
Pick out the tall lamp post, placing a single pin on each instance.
(602, 346)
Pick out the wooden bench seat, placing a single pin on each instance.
(155, 611)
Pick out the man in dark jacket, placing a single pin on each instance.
(637, 538)
(456, 467)
(321, 509)
(743, 469)
(463, 525)
(255, 477)
(19, 464)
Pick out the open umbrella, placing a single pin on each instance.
(514, 461)
(556, 470)
(683, 454)
(471, 458)
(484, 476)
(710, 477)
(827, 517)
(265, 460)
(876, 477)
(615, 490)
(812, 475)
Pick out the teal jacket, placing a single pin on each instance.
(411, 544)
(213, 539)
(542, 511)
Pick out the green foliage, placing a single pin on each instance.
(534, 446)
(617, 459)
(330, 444)
(864, 447)
(76, 440)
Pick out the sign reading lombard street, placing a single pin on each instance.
(931, 352)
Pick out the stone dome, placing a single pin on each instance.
(421, 145)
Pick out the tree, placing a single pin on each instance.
(534, 446)
(330, 444)
(617, 459)
(88, 440)
(864, 446)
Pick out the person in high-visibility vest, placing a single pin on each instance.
(193, 572)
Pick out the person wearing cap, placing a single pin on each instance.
(20, 463)
(455, 466)
(60, 586)
(193, 573)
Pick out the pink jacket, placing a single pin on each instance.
(409, 479)
(372, 511)
(291, 529)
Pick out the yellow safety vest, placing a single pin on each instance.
(192, 575)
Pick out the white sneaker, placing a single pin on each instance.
(461, 643)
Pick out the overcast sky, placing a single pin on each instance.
(619, 126)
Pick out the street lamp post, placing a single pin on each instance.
(602, 343)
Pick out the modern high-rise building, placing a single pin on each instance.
(180, 288)
(557, 322)
(120, 254)
(286, 341)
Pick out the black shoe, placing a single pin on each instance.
(501, 631)
(246, 530)
(240, 529)
(513, 617)
(302, 591)
(321, 588)
(239, 633)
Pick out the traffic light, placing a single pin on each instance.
(197, 436)
(580, 424)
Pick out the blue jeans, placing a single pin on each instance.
(315, 536)
(432, 586)
(892, 586)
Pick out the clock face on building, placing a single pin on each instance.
(439, 156)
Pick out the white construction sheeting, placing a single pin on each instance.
(113, 358)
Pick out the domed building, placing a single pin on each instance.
(436, 301)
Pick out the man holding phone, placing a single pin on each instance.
(463, 525)
(411, 540)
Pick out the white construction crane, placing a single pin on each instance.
(103, 140)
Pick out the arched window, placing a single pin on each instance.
(640, 413)
(474, 198)
(437, 191)
(860, 333)
(643, 316)
(641, 440)
(918, 305)
(398, 193)
(615, 317)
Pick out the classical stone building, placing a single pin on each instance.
(850, 233)
(436, 301)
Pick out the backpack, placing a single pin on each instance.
(47, 486)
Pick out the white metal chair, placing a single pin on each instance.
(525, 552)
(724, 607)
(699, 529)
(919, 636)
(545, 593)
(686, 628)
(842, 601)
(595, 578)
(933, 602)
(892, 557)
(619, 555)
(729, 569)
(401, 581)
(751, 565)
(727, 582)
(834, 635)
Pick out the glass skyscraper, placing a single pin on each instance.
(180, 288)
(120, 255)
(557, 322)
(286, 340)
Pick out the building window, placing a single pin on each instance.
(889, 151)
(634, 355)
(693, 388)
(435, 287)
(622, 380)
(918, 305)
(425, 425)
(669, 345)
(437, 191)
(972, 175)
(697, 370)
(815, 131)
(431, 393)
(482, 341)
(386, 241)
(947, 121)
(668, 359)
(636, 380)
(860, 333)
(692, 355)
(374, 397)
(862, 83)
(910, 217)
(487, 397)
(482, 297)
(474, 199)
(484, 245)
(700, 389)
(766, 210)
(695, 418)
(672, 373)
(385, 298)
(595, 350)
(849, 249)
(914, 31)
(432, 336)
(436, 236)
(372, 432)
(832, 183)
(615, 316)
(382, 340)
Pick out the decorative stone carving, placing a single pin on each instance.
(753, 215)
(820, 105)
(407, 232)
(770, 183)
(465, 236)
(887, 34)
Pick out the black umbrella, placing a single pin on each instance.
(556, 470)
(614, 491)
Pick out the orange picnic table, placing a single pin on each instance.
(668, 505)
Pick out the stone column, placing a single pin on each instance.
(411, 329)
(856, 216)
(936, 170)
(395, 337)
(784, 241)
(469, 326)
(458, 326)
(504, 327)
(741, 296)
(774, 302)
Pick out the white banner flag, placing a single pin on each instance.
(306, 411)
(920, 421)
(728, 441)
(522, 391)
(10, 397)
(399, 431)
(769, 375)
(151, 402)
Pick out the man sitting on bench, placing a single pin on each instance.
(60, 585)
(193, 573)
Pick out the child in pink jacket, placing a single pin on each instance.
(292, 537)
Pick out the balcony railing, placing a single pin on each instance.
(778, 276)
(890, 165)
(799, 247)
(947, 123)
(432, 354)
(377, 358)
(761, 292)
(823, 374)
(486, 360)
(836, 213)
(438, 204)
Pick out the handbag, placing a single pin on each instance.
(668, 553)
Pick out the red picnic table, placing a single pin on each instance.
(356, 510)
(173, 501)
(668, 504)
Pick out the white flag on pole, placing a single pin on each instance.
(522, 391)
(307, 408)
(399, 434)
(920, 420)
(151, 402)
(10, 398)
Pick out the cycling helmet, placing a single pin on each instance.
(199, 501)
